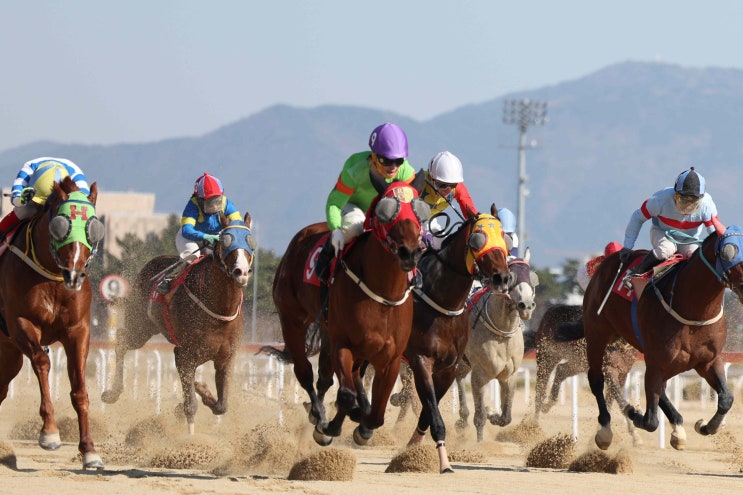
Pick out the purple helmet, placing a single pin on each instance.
(389, 141)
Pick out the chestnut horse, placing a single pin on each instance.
(201, 316)
(569, 358)
(441, 328)
(677, 324)
(45, 298)
(496, 345)
(369, 312)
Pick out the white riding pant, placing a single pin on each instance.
(352, 221)
(188, 249)
(664, 248)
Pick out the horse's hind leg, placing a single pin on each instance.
(77, 355)
(12, 360)
(133, 337)
(595, 355)
(716, 379)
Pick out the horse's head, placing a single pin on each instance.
(395, 220)
(522, 286)
(486, 257)
(236, 249)
(74, 230)
(729, 259)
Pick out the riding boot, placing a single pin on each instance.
(647, 263)
(163, 287)
(322, 264)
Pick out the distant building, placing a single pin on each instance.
(121, 212)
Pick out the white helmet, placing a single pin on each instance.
(445, 167)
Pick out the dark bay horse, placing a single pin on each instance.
(680, 326)
(369, 314)
(495, 348)
(441, 328)
(567, 359)
(201, 316)
(45, 298)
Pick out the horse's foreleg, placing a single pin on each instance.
(186, 372)
(346, 397)
(464, 411)
(222, 371)
(715, 376)
(507, 391)
(384, 381)
(654, 394)
(478, 396)
(49, 436)
(424, 387)
(616, 391)
(678, 435)
(77, 354)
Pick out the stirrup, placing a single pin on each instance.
(163, 287)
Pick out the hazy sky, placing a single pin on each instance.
(100, 72)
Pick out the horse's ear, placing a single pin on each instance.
(419, 181)
(248, 220)
(494, 211)
(93, 196)
(58, 192)
(527, 254)
(223, 220)
(380, 185)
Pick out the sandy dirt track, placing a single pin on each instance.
(218, 459)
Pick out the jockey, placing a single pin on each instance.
(33, 185)
(684, 208)
(444, 184)
(508, 223)
(200, 224)
(354, 192)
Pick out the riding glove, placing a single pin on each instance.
(624, 254)
(338, 240)
(211, 239)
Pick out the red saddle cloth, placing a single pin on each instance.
(640, 281)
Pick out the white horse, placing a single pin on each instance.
(496, 345)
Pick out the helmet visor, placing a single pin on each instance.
(213, 204)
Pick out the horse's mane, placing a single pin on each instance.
(66, 185)
(449, 238)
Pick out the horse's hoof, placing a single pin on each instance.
(395, 400)
(447, 471)
(461, 424)
(321, 439)
(678, 438)
(359, 438)
(91, 460)
(604, 437)
(110, 396)
(699, 427)
(50, 441)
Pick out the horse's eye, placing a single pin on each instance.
(227, 240)
(252, 243)
(94, 230)
(477, 240)
(387, 209)
(729, 252)
(60, 227)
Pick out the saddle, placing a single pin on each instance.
(639, 282)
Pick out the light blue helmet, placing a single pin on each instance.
(507, 219)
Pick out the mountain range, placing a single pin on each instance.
(612, 138)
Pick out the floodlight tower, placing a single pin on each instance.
(524, 113)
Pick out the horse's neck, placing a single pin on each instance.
(444, 278)
(499, 313)
(695, 281)
(213, 285)
(40, 242)
(380, 269)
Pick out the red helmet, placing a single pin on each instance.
(208, 186)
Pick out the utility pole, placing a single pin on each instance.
(524, 113)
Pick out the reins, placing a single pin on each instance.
(487, 321)
(33, 261)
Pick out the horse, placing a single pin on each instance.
(569, 358)
(496, 345)
(369, 312)
(45, 297)
(677, 323)
(201, 315)
(476, 251)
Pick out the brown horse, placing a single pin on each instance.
(369, 313)
(679, 327)
(441, 327)
(201, 316)
(45, 298)
(569, 358)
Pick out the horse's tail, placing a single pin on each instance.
(572, 330)
(282, 355)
